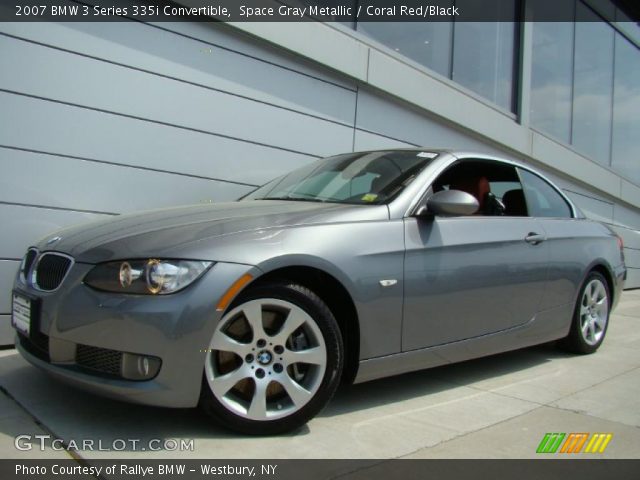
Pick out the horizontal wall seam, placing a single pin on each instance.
(574, 151)
(177, 79)
(63, 209)
(124, 165)
(261, 60)
(157, 122)
(373, 132)
(611, 204)
(635, 230)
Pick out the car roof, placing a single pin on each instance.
(451, 151)
(465, 154)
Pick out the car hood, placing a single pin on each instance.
(167, 232)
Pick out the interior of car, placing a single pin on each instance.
(495, 186)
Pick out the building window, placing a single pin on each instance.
(585, 88)
(484, 52)
(426, 43)
(626, 110)
(552, 77)
(592, 86)
(478, 55)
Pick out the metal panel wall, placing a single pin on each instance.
(100, 119)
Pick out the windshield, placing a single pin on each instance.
(355, 178)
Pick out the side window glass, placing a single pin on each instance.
(543, 199)
(495, 185)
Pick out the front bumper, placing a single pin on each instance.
(174, 328)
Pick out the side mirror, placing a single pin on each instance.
(452, 203)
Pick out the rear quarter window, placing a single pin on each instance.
(542, 199)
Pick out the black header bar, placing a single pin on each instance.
(347, 11)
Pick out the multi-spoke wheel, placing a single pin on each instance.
(591, 316)
(274, 360)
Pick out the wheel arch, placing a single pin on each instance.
(602, 268)
(337, 298)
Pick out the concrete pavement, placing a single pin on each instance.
(496, 407)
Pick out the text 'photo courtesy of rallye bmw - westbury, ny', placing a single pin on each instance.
(141, 471)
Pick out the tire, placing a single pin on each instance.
(275, 360)
(590, 316)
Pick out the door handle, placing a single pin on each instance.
(535, 238)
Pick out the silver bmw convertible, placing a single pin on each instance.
(352, 268)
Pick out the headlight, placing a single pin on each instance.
(153, 276)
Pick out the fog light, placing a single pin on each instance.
(143, 366)
(140, 367)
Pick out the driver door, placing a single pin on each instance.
(473, 275)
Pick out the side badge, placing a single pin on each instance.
(388, 283)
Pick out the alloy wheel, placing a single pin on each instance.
(594, 312)
(266, 360)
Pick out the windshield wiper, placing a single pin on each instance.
(293, 199)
